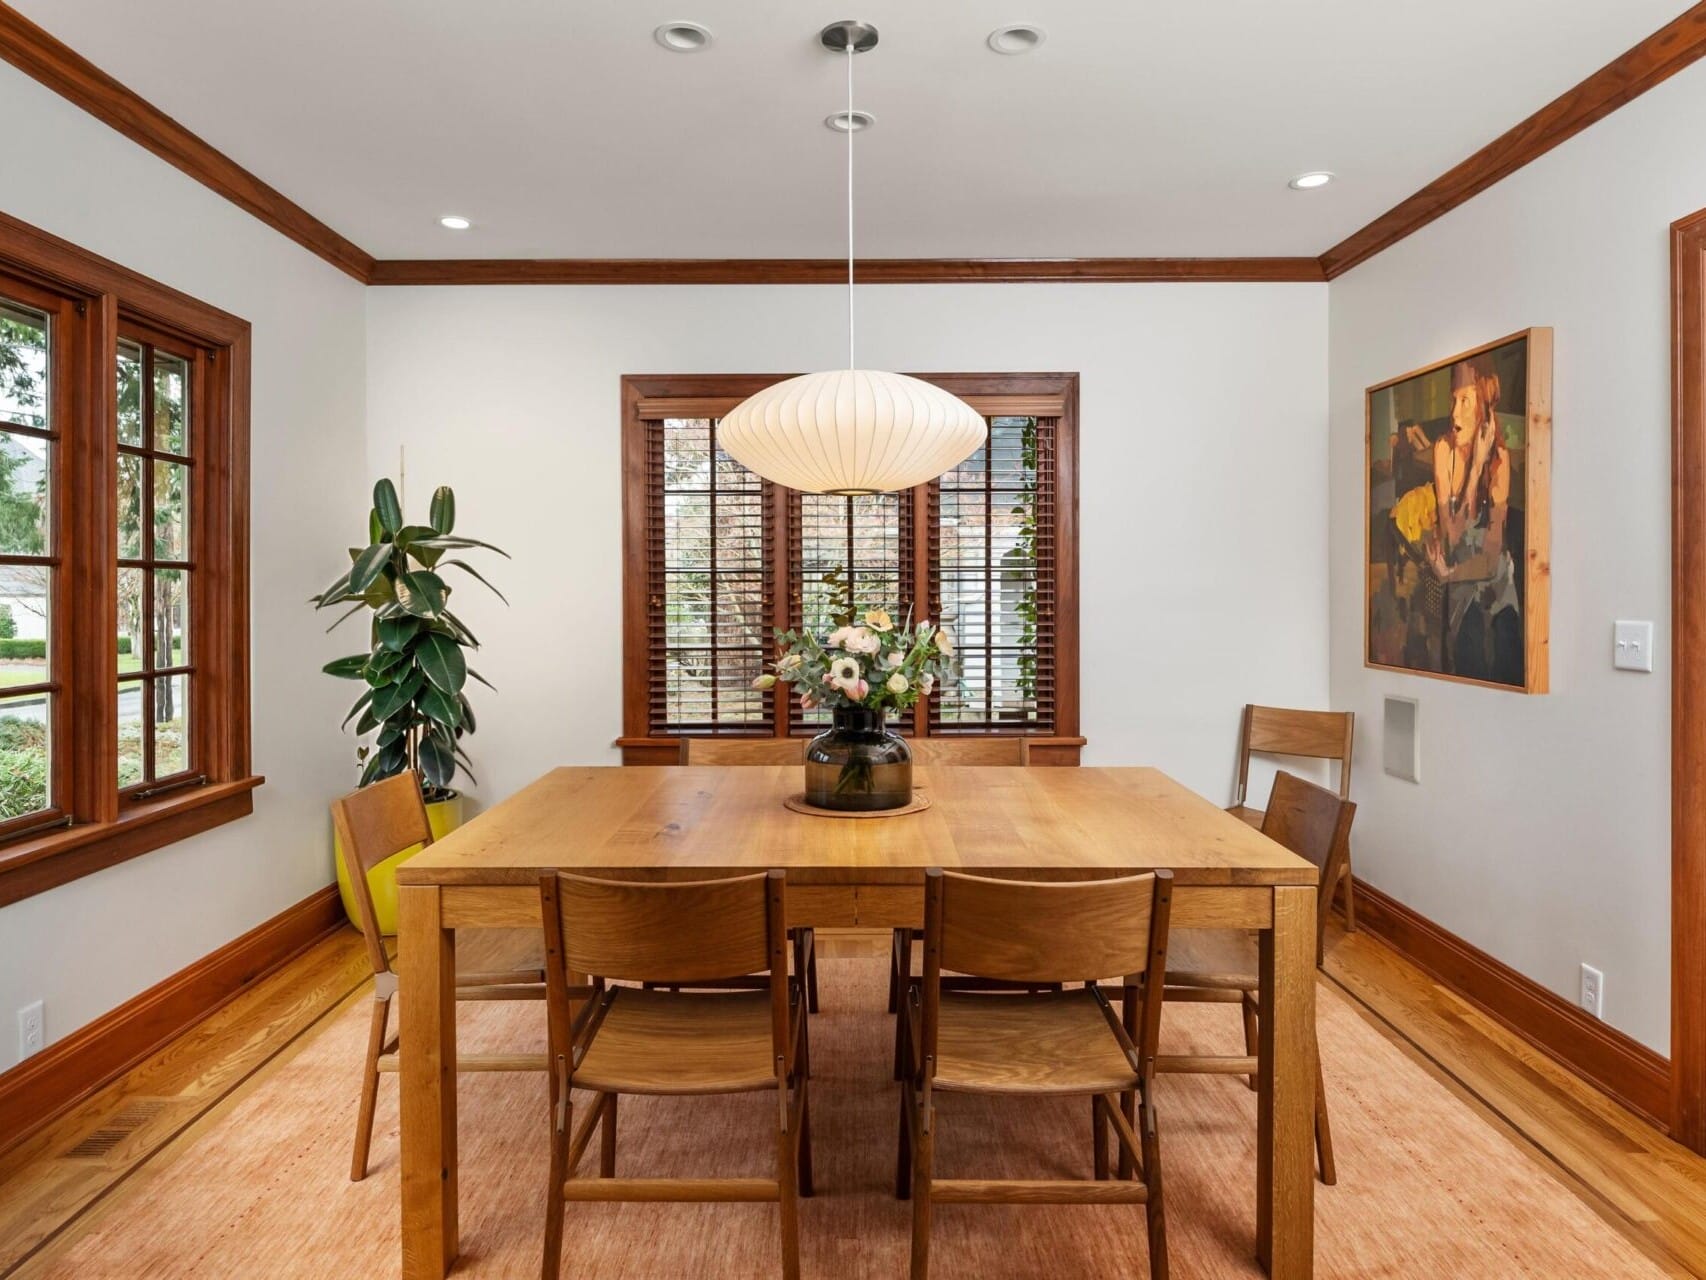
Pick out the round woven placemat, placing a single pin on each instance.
(798, 804)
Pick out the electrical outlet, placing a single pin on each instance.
(1593, 991)
(30, 1035)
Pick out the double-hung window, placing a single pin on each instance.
(718, 558)
(124, 717)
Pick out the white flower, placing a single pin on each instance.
(857, 690)
(838, 638)
(879, 620)
(895, 659)
(897, 683)
(764, 681)
(843, 671)
(945, 642)
(927, 684)
(862, 641)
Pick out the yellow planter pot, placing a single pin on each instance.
(443, 816)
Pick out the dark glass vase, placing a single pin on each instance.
(857, 765)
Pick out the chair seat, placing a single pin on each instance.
(1053, 1042)
(1245, 814)
(1223, 958)
(681, 1042)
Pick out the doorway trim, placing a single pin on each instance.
(1688, 682)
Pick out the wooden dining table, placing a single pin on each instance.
(690, 823)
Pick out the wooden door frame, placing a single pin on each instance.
(1688, 682)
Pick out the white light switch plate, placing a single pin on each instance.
(1632, 646)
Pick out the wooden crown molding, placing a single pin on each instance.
(1655, 60)
(585, 271)
(1615, 1063)
(69, 1070)
(80, 82)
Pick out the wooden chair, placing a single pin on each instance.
(1317, 735)
(614, 1040)
(956, 753)
(761, 751)
(372, 824)
(1050, 1043)
(961, 752)
(743, 751)
(1219, 966)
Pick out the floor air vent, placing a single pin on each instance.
(100, 1143)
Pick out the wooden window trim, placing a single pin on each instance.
(648, 397)
(105, 826)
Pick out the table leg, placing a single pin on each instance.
(426, 953)
(1285, 1108)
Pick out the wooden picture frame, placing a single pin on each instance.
(1457, 570)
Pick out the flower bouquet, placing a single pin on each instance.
(861, 671)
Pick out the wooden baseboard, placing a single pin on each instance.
(1622, 1067)
(69, 1070)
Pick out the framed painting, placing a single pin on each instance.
(1458, 530)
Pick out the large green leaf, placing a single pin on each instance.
(442, 660)
(441, 706)
(467, 713)
(375, 530)
(356, 709)
(349, 668)
(438, 764)
(367, 567)
(382, 668)
(443, 513)
(470, 569)
(332, 594)
(388, 701)
(458, 629)
(385, 503)
(422, 593)
(367, 723)
(395, 633)
(460, 544)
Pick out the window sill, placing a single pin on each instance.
(54, 858)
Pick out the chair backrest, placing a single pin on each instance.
(1278, 731)
(743, 751)
(670, 932)
(372, 824)
(970, 751)
(664, 932)
(1025, 932)
(1314, 824)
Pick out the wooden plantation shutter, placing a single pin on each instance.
(992, 562)
(709, 582)
(717, 558)
(869, 540)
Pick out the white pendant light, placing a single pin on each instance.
(852, 430)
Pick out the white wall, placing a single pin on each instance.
(91, 944)
(1540, 831)
(1203, 450)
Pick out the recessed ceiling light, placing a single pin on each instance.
(1309, 181)
(683, 37)
(455, 222)
(842, 122)
(1021, 38)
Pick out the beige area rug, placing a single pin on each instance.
(1426, 1187)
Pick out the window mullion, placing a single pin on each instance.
(89, 572)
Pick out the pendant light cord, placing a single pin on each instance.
(850, 361)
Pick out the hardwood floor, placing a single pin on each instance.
(1650, 1189)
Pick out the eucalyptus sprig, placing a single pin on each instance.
(416, 668)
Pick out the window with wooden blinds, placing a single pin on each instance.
(992, 581)
(718, 559)
(708, 568)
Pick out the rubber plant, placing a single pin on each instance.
(416, 666)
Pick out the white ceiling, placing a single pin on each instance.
(1139, 128)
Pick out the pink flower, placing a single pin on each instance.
(857, 690)
(807, 702)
